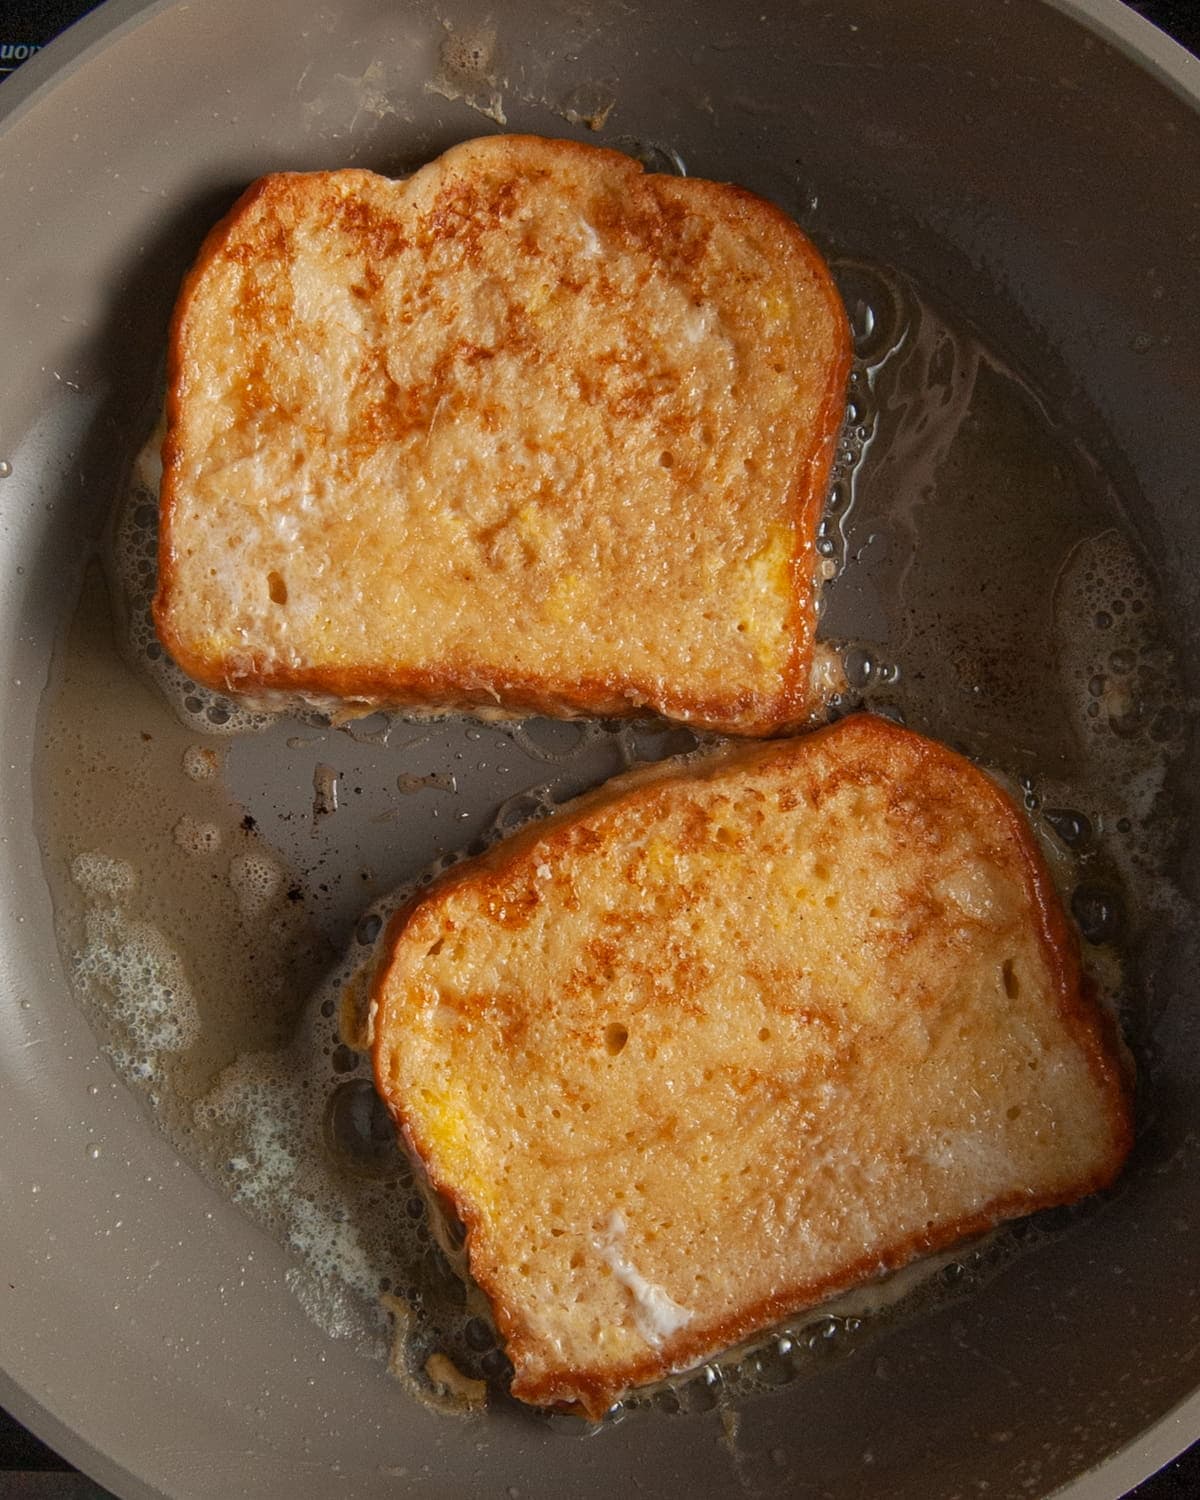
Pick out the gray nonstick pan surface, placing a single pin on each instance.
(1009, 195)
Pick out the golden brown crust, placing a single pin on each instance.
(669, 225)
(868, 751)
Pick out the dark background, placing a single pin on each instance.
(28, 1469)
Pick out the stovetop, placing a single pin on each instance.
(29, 1470)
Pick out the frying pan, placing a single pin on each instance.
(1034, 168)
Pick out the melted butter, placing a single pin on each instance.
(166, 896)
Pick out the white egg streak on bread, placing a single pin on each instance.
(724, 1038)
(532, 431)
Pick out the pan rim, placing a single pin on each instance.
(1139, 41)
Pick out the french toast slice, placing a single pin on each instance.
(725, 1038)
(532, 431)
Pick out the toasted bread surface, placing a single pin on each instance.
(530, 431)
(725, 1038)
